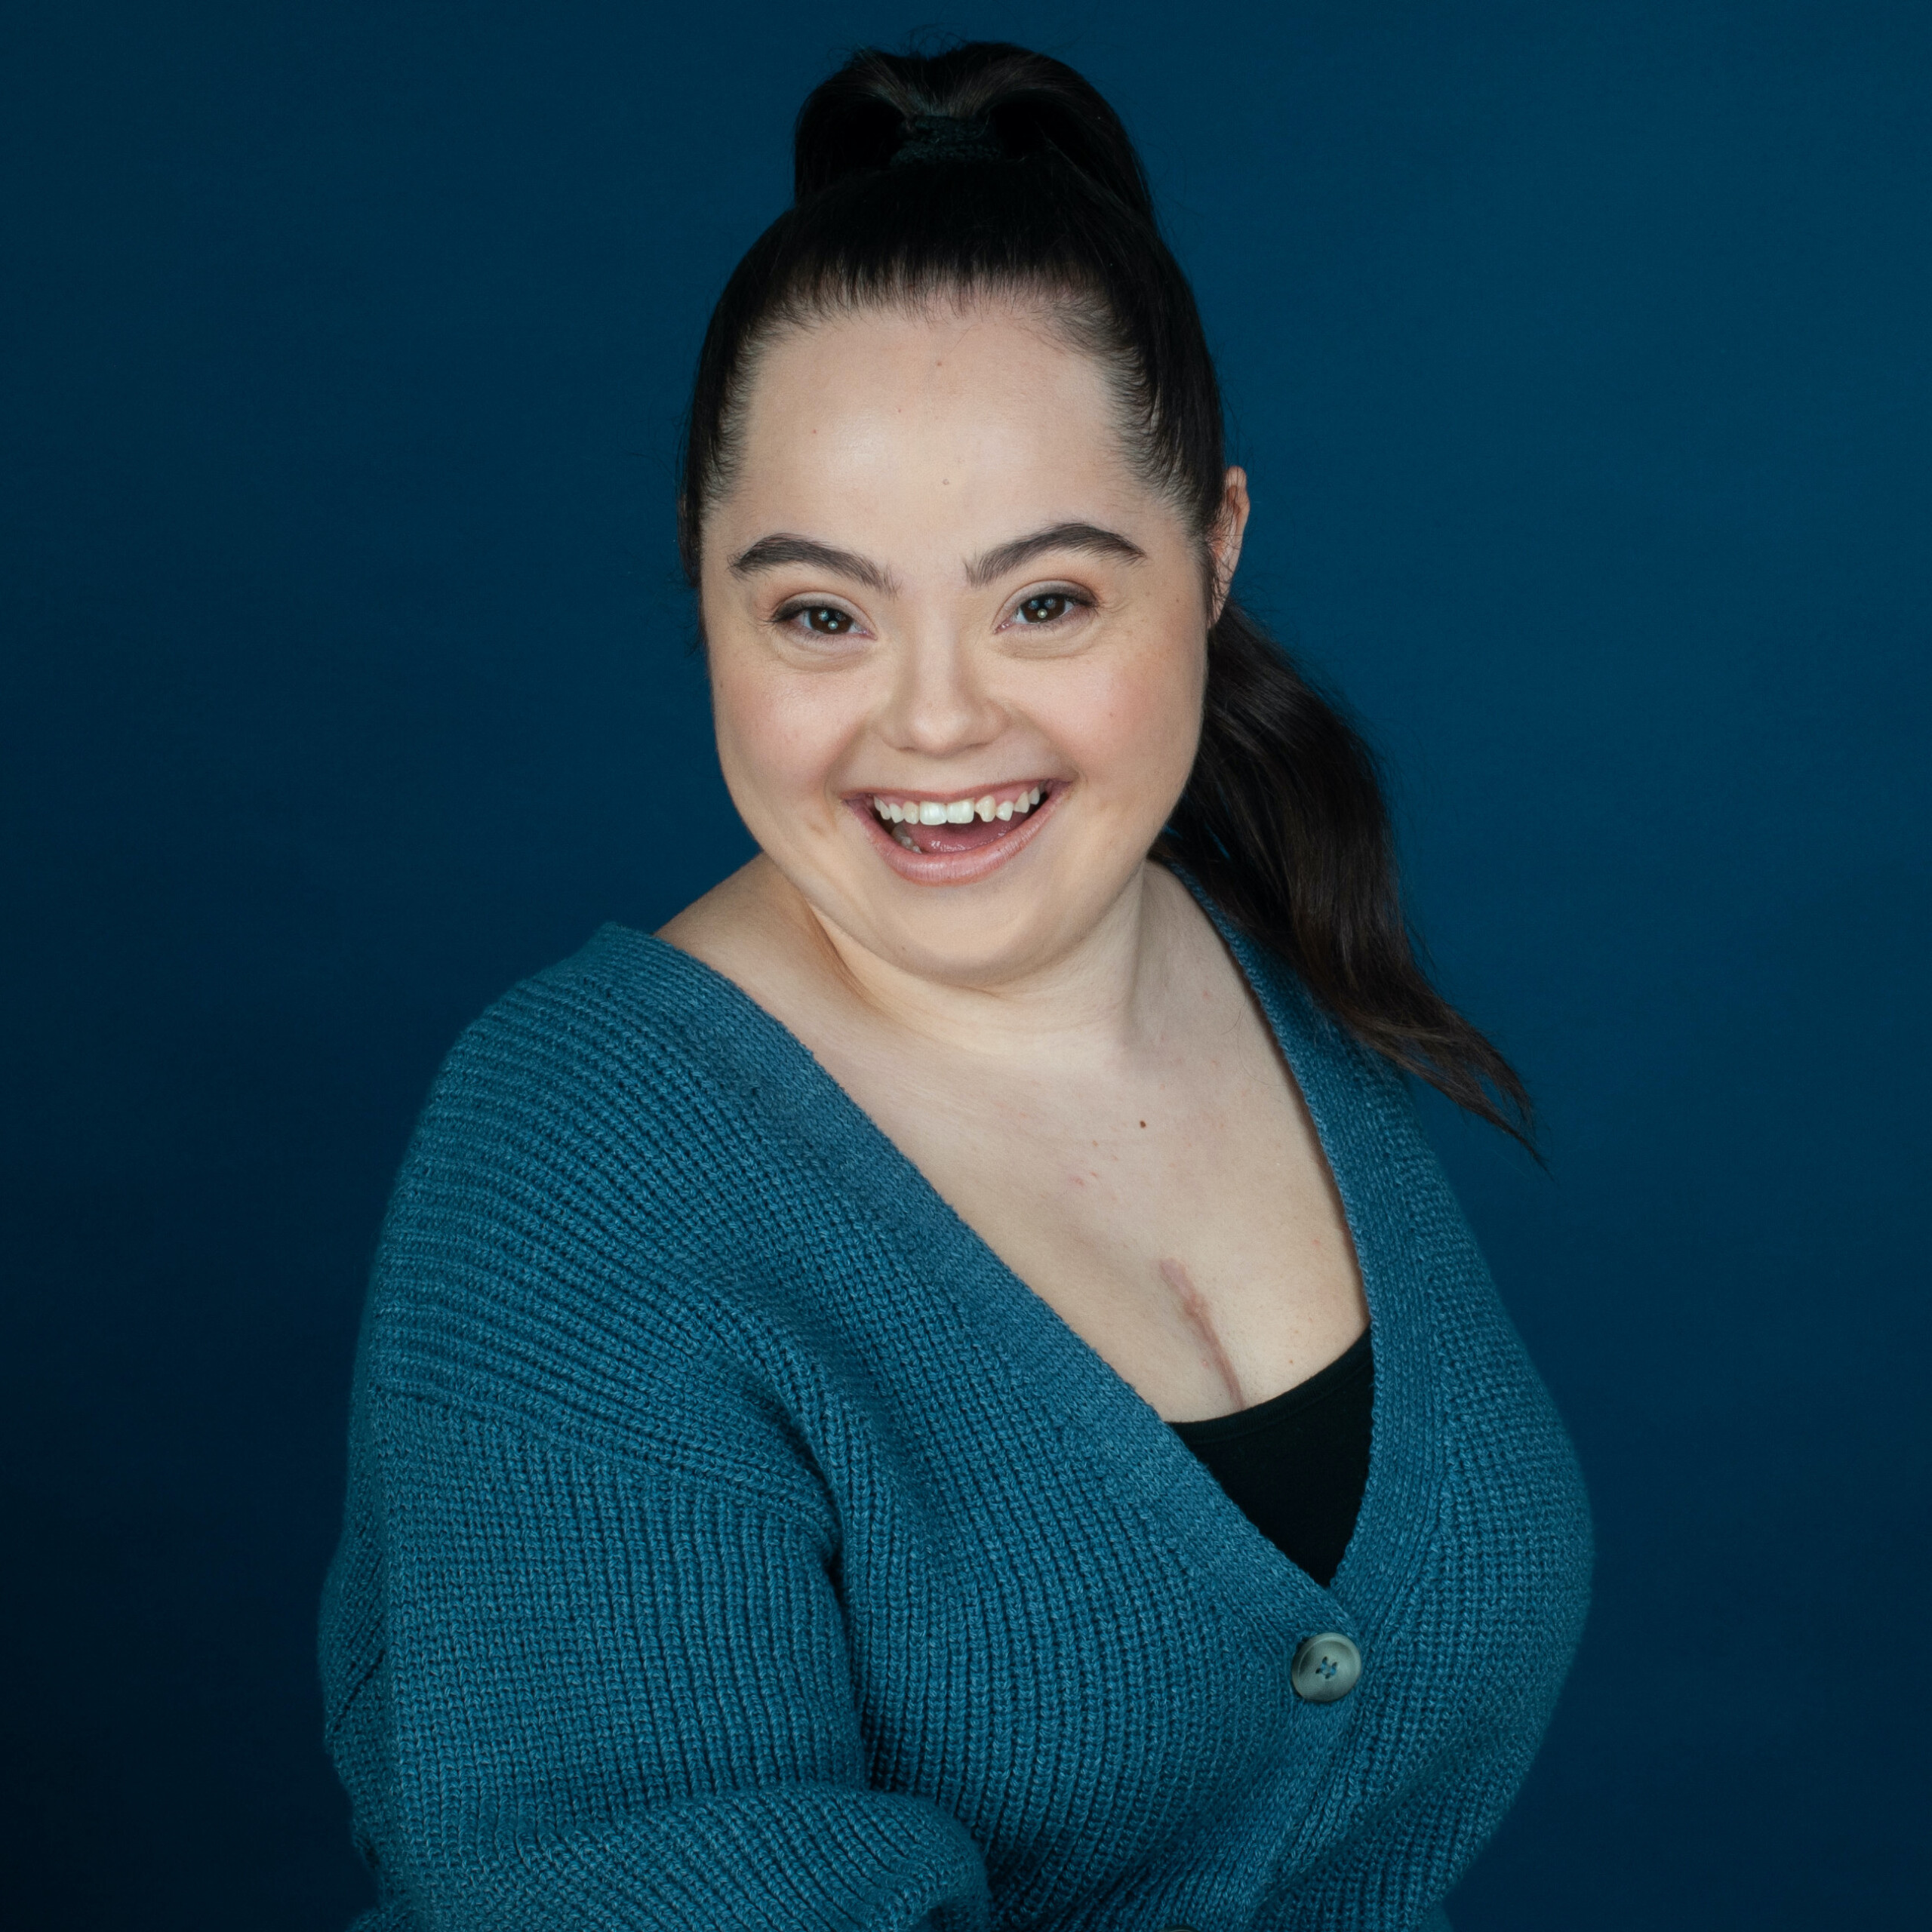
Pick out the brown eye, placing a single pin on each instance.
(826, 621)
(1046, 607)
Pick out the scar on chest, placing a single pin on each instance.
(1195, 1310)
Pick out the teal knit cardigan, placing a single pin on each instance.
(732, 1541)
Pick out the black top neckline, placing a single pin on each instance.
(1338, 1376)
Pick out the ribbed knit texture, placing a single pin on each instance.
(733, 1541)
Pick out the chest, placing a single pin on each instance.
(1128, 1636)
(1176, 1211)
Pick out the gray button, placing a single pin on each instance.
(1325, 1668)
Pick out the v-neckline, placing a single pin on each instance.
(1133, 1450)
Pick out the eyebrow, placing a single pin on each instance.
(771, 553)
(775, 552)
(1087, 536)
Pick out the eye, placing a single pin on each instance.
(826, 621)
(1046, 607)
(818, 620)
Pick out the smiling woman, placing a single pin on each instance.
(937, 830)
(991, 602)
(946, 1388)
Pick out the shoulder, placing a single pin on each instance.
(738, 912)
(1331, 1064)
(573, 1204)
(611, 1046)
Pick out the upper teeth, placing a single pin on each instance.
(960, 811)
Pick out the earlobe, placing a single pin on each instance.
(1225, 540)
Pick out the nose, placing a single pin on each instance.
(938, 705)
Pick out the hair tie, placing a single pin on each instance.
(947, 137)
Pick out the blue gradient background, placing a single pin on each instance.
(1578, 354)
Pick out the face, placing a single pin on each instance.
(957, 647)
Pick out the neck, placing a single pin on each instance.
(1093, 996)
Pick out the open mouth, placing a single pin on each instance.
(942, 826)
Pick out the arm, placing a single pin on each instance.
(614, 1697)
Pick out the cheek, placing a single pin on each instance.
(779, 733)
(1135, 723)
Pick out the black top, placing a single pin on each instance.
(1298, 1463)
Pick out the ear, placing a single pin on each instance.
(1224, 539)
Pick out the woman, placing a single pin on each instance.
(864, 1416)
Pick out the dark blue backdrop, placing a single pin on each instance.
(1579, 356)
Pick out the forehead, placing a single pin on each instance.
(950, 421)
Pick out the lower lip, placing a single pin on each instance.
(954, 868)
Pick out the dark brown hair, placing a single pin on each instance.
(989, 169)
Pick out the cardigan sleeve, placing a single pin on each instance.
(583, 1642)
(609, 1698)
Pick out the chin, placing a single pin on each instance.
(985, 935)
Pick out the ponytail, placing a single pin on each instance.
(1284, 823)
